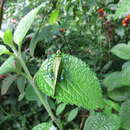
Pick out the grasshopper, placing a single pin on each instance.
(57, 69)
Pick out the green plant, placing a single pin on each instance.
(117, 81)
(76, 28)
(9, 65)
(15, 63)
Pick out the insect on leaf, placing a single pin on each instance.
(56, 69)
(80, 85)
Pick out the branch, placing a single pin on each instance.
(1, 11)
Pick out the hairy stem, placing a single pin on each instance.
(40, 96)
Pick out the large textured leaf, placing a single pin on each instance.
(125, 114)
(100, 121)
(122, 51)
(120, 94)
(8, 66)
(44, 126)
(4, 50)
(123, 8)
(60, 108)
(24, 25)
(79, 85)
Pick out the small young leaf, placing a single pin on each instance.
(101, 121)
(112, 104)
(122, 51)
(60, 108)
(8, 38)
(72, 114)
(44, 126)
(4, 50)
(8, 66)
(7, 83)
(24, 25)
(54, 17)
(125, 114)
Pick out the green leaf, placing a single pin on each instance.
(8, 37)
(30, 94)
(112, 104)
(4, 50)
(7, 83)
(120, 94)
(21, 81)
(122, 51)
(117, 79)
(126, 76)
(79, 86)
(8, 66)
(46, 34)
(125, 65)
(44, 126)
(100, 121)
(35, 39)
(60, 108)
(123, 8)
(54, 17)
(113, 80)
(72, 114)
(125, 114)
(24, 26)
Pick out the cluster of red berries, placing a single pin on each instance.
(102, 14)
(61, 30)
(126, 20)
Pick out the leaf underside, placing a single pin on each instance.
(24, 25)
(79, 86)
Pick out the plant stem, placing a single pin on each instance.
(1, 11)
(40, 96)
